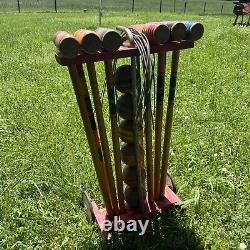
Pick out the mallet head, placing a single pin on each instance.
(178, 30)
(111, 40)
(195, 30)
(66, 43)
(89, 41)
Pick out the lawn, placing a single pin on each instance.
(45, 162)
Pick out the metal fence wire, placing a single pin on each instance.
(184, 6)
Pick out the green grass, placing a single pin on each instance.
(45, 161)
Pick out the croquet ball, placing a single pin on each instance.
(131, 196)
(126, 131)
(123, 78)
(128, 154)
(66, 43)
(125, 106)
(130, 175)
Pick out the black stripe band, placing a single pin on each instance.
(88, 104)
(160, 95)
(111, 96)
(173, 81)
(92, 121)
(160, 81)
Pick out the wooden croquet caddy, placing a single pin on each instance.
(97, 137)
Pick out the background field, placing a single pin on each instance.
(192, 6)
(45, 162)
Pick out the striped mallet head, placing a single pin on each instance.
(155, 32)
(89, 41)
(66, 43)
(177, 29)
(111, 40)
(195, 30)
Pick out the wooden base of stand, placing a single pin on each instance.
(100, 215)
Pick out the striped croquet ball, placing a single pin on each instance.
(131, 196)
(123, 78)
(130, 175)
(128, 154)
(124, 106)
(126, 131)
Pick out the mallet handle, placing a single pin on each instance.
(136, 137)
(115, 132)
(169, 121)
(84, 103)
(158, 121)
(102, 132)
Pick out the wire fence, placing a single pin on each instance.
(188, 6)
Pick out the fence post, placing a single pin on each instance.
(133, 5)
(204, 10)
(55, 6)
(221, 8)
(160, 6)
(185, 7)
(18, 6)
(100, 12)
(174, 5)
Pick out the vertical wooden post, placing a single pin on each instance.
(221, 10)
(185, 7)
(133, 5)
(100, 12)
(55, 6)
(204, 9)
(174, 5)
(160, 6)
(18, 6)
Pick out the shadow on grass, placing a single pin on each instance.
(166, 231)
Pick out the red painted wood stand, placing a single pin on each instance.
(151, 208)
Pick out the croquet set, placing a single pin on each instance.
(132, 171)
(242, 8)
